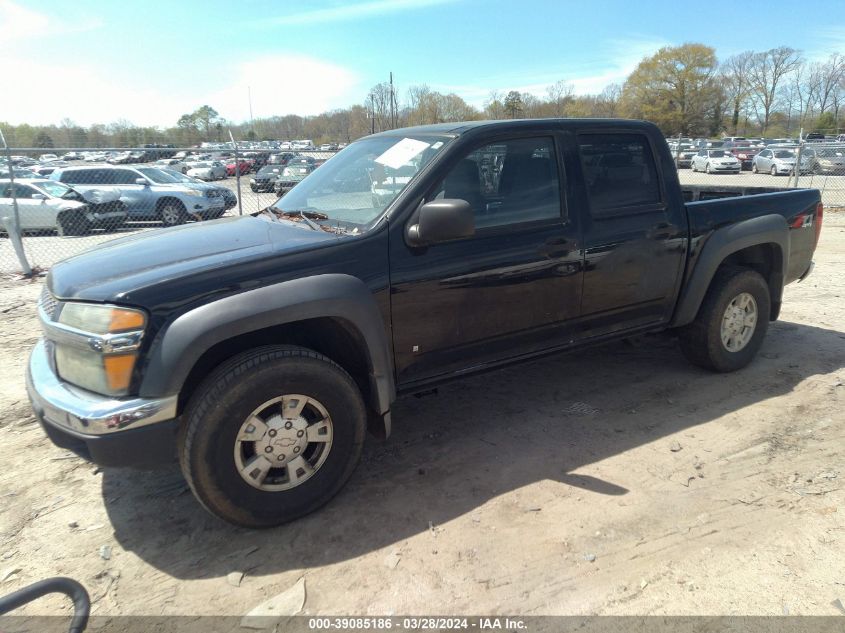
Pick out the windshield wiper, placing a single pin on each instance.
(304, 215)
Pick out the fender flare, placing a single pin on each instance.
(767, 229)
(177, 347)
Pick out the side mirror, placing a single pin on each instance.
(38, 196)
(442, 221)
(141, 181)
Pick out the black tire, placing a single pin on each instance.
(172, 212)
(224, 401)
(701, 341)
(754, 168)
(72, 224)
(706, 168)
(774, 171)
(254, 188)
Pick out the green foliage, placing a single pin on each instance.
(513, 104)
(42, 139)
(676, 89)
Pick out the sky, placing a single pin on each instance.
(148, 62)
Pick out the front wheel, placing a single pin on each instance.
(172, 213)
(754, 168)
(692, 166)
(271, 435)
(706, 168)
(71, 224)
(774, 171)
(731, 323)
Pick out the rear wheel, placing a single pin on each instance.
(754, 168)
(272, 435)
(172, 213)
(731, 323)
(774, 171)
(706, 168)
(692, 166)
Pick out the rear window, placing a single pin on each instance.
(619, 172)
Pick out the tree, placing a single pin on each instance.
(205, 116)
(559, 94)
(735, 76)
(768, 70)
(675, 89)
(494, 108)
(42, 139)
(513, 104)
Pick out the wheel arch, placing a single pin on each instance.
(333, 314)
(761, 244)
(166, 199)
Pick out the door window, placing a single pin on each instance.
(509, 182)
(620, 173)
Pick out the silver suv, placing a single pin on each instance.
(149, 193)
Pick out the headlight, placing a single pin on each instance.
(194, 192)
(99, 350)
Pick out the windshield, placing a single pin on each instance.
(359, 183)
(784, 153)
(157, 175)
(717, 154)
(53, 188)
(265, 171)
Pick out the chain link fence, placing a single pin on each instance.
(56, 203)
(64, 201)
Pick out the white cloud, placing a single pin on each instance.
(350, 11)
(21, 24)
(289, 84)
(86, 94)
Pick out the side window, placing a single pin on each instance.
(23, 191)
(620, 173)
(509, 182)
(122, 177)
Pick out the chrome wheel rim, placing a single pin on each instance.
(283, 443)
(739, 322)
(170, 215)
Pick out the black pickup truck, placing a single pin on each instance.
(260, 349)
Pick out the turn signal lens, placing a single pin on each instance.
(119, 371)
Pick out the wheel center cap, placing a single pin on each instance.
(284, 440)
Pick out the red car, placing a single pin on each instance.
(246, 164)
(744, 155)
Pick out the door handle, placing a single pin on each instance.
(661, 231)
(556, 247)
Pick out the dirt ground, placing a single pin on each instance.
(618, 480)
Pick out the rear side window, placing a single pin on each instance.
(620, 173)
(123, 177)
(79, 177)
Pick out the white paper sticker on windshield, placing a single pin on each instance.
(399, 155)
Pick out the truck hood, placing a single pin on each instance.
(116, 270)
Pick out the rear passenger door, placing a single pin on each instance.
(635, 241)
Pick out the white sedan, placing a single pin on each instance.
(209, 170)
(49, 205)
(172, 163)
(713, 161)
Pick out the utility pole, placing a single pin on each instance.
(392, 105)
(249, 96)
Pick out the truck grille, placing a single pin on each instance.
(47, 302)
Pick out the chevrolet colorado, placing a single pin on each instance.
(258, 350)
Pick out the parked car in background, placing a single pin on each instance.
(280, 158)
(292, 175)
(712, 161)
(148, 193)
(266, 177)
(745, 155)
(17, 172)
(779, 161)
(48, 205)
(172, 163)
(212, 191)
(683, 157)
(207, 170)
(232, 168)
(123, 158)
(46, 157)
(830, 161)
(72, 156)
(814, 137)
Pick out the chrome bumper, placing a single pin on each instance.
(68, 407)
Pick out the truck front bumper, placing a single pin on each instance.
(138, 432)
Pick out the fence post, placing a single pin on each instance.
(237, 173)
(13, 230)
(13, 224)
